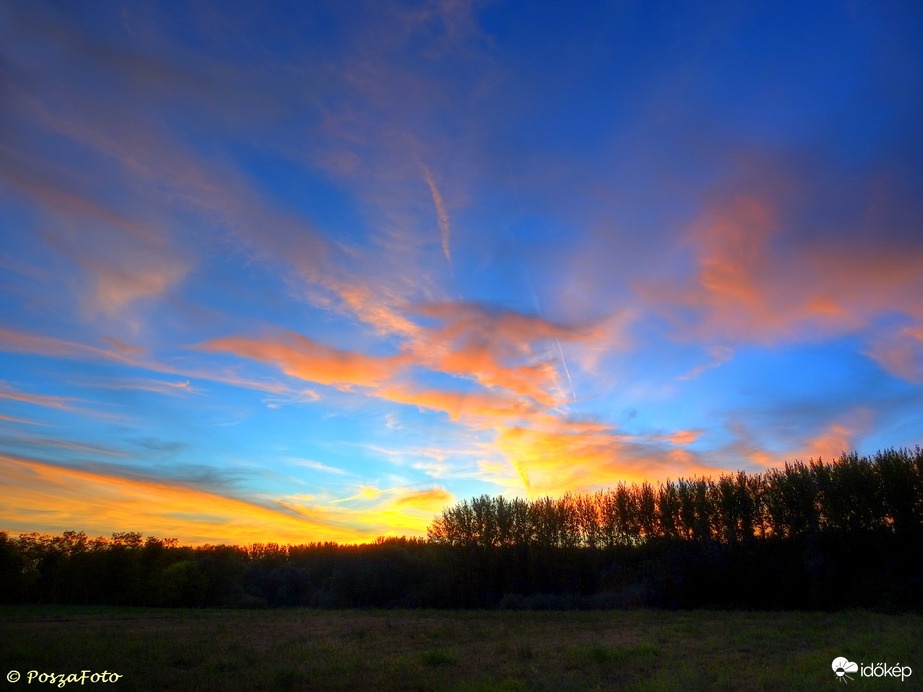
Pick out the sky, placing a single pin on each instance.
(301, 272)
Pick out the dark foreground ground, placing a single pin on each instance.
(458, 650)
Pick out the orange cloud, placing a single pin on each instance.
(536, 381)
(830, 444)
(430, 501)
(498, 348)
(308, 360)
(836, 438)
(560, 460)
(67, 499)
(371, 307)
(482, 408)
(683, 437)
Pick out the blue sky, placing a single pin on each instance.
(295, 272)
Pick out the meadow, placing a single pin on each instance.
(306, 649)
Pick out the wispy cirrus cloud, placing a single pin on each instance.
(316, 466)
(24, 342)
(144, 384)
(12, 419)
(57, 443)
(69, 404)
(64, 403)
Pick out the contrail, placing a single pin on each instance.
(541, 313)
(532, 288)
(441, 214)
(566, 371)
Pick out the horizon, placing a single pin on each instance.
(656, 487)
(287, 274)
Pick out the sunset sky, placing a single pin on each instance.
(313, 271)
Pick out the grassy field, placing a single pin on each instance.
(467, 650)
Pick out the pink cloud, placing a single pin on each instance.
(901, 354)
(745, 289)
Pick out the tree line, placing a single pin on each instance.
(808, 535)
(849, 496)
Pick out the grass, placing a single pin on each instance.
(456, 651)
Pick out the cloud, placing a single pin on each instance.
(431, 500)
(476, 408)
(838, 436)
(117, 286)
(316, 465)
(767, 271)
(154, 444)
(93, 450)
(101, 503)
(719, 356)
(509, 326)
(498, 348)
(683, 437)
(817, 435)
(59, 402)
(125, 348)
(901, 353)
(305, 396)
(20, 172)
(478, 362)
(11, 419)
(144, 384)
(581, 459)
(374, 307)
(401, 508)
(23, 342)
(298, 356)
